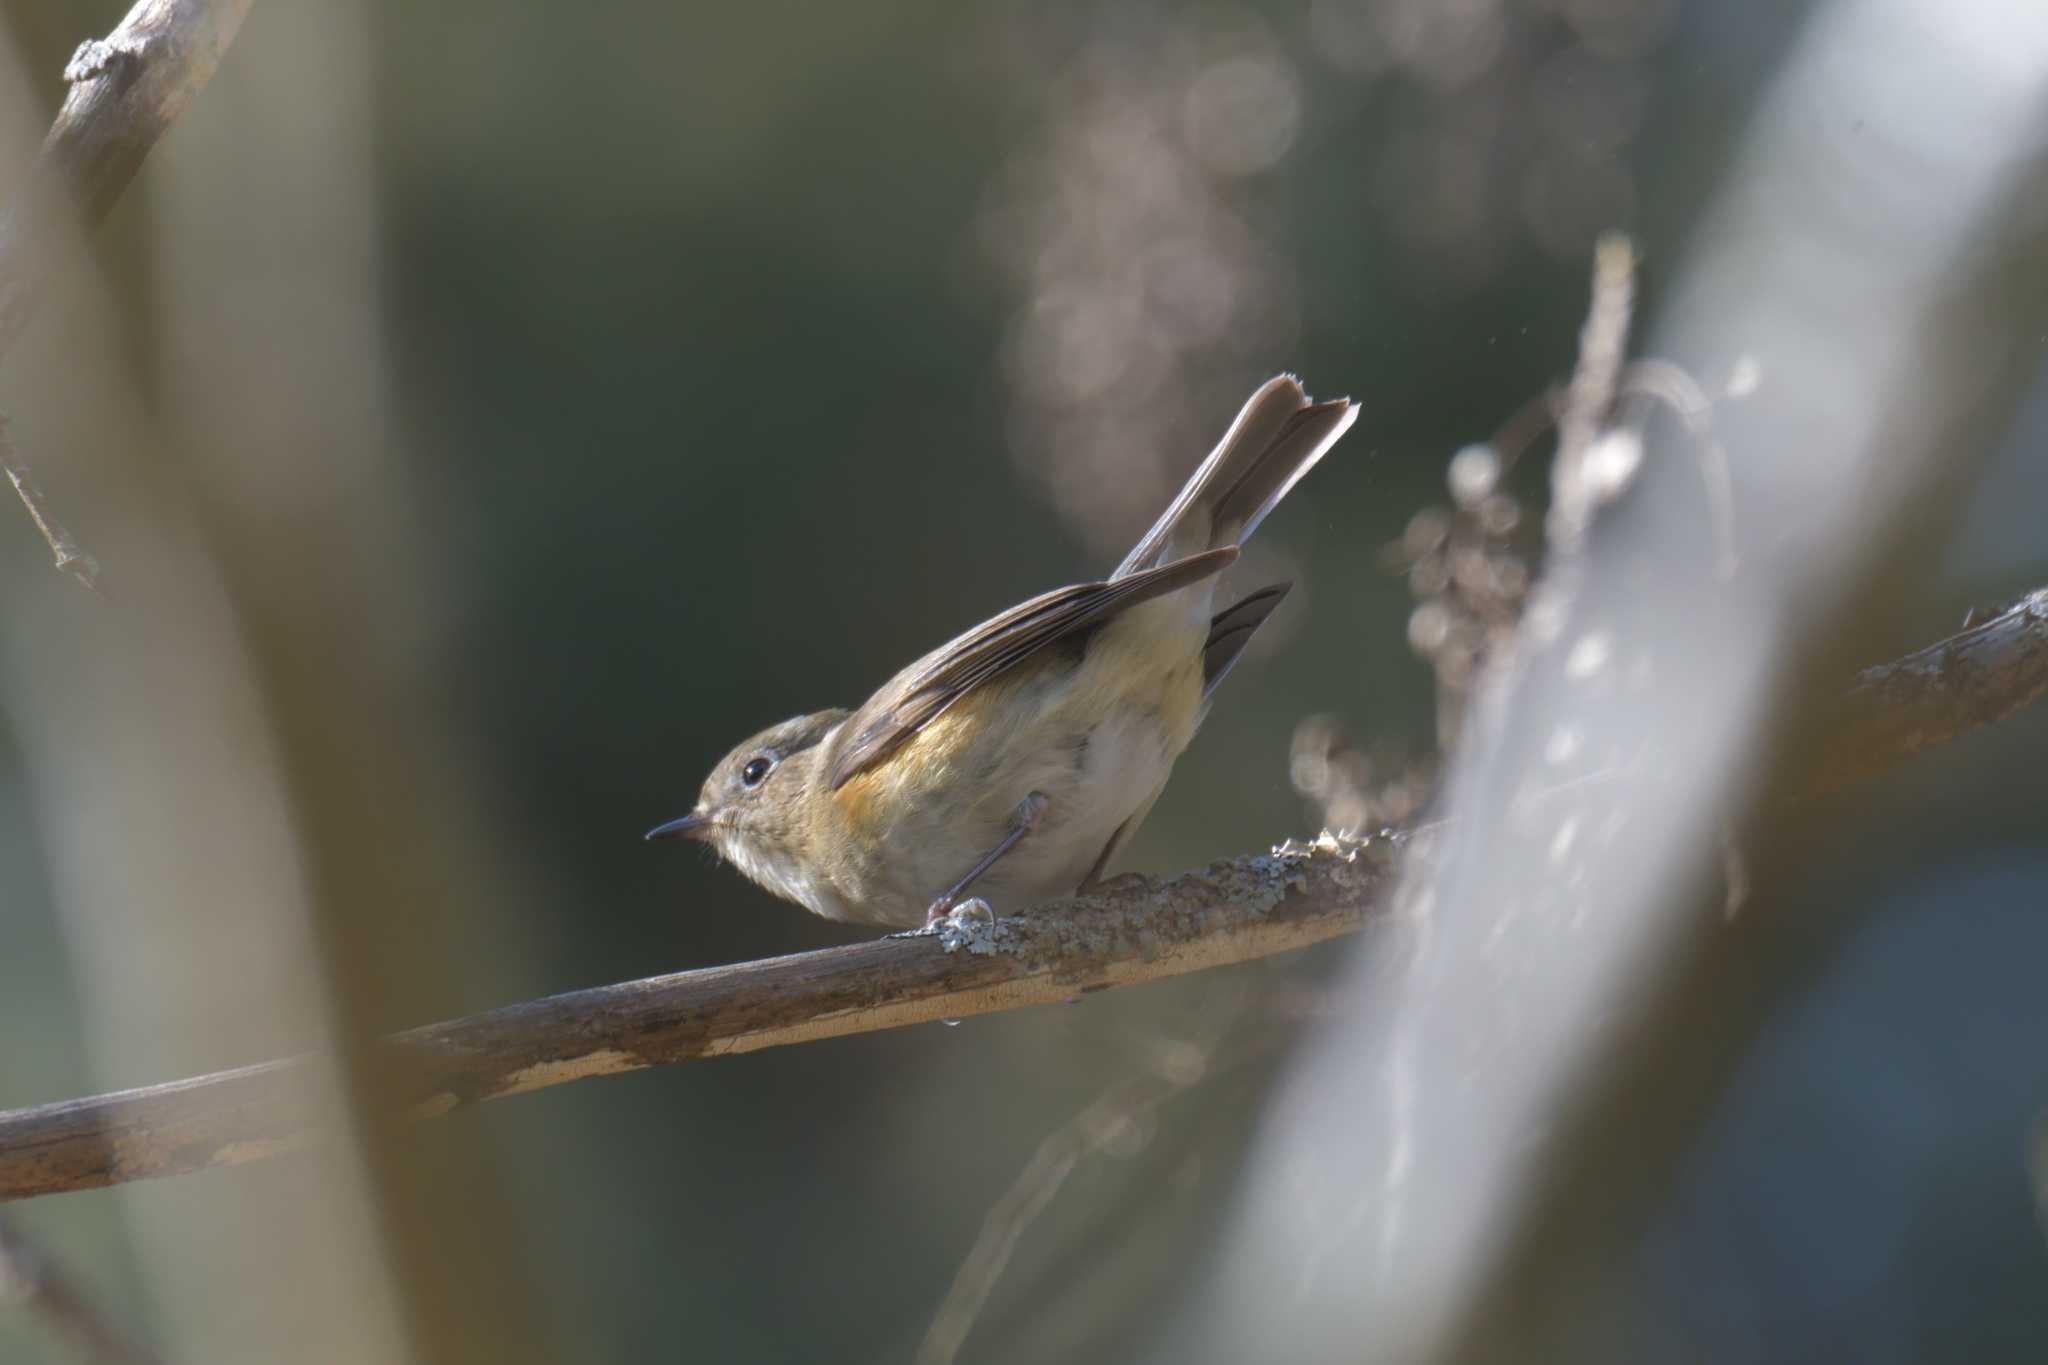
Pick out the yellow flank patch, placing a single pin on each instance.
(856, 799)
(1147, 661)
(921, 763)
(1147, 664)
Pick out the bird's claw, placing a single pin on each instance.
(969, 923)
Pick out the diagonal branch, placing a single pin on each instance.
(1137, 930)
(1984, 673)
(125, 89)
(1228, 912)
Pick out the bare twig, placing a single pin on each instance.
(1603, 342)
(125, 89)
(1111, 1121)
(27, 1276)
(1144, 930)
(1581, 481)
(1984, 674)
(1028, 1196)
(63, 549)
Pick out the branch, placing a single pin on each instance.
(64, 550)
(1987, 672)
(125, 89)
(1138, 929)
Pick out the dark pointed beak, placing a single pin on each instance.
(692, 826)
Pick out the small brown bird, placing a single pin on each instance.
(1016, 759)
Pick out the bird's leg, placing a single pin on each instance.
(1030, 812)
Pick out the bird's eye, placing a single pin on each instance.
(756, 769)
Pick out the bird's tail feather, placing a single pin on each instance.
(1278, 437)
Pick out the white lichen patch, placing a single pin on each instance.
(1286, 869)
(1343, 845)
(97, 56)
(972, 925)
(1147, 920)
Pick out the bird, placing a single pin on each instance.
(1016, 760)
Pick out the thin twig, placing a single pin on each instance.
(29, 1277)
(1143, 930)
(1581, 481)
(64, 550)
(1603, 343)
(1027, 1197)
(1663, 382)
(1096, 1128)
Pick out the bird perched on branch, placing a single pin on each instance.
(1017, 758)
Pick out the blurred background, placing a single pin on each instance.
(484, 416)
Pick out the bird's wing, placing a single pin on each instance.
(921, 693)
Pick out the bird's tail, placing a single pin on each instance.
(1277, 437)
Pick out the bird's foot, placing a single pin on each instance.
(969, 924)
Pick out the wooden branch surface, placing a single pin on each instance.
(125, 89)
(1983, 674)
(1135, 930)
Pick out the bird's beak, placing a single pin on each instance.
(691, 826)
